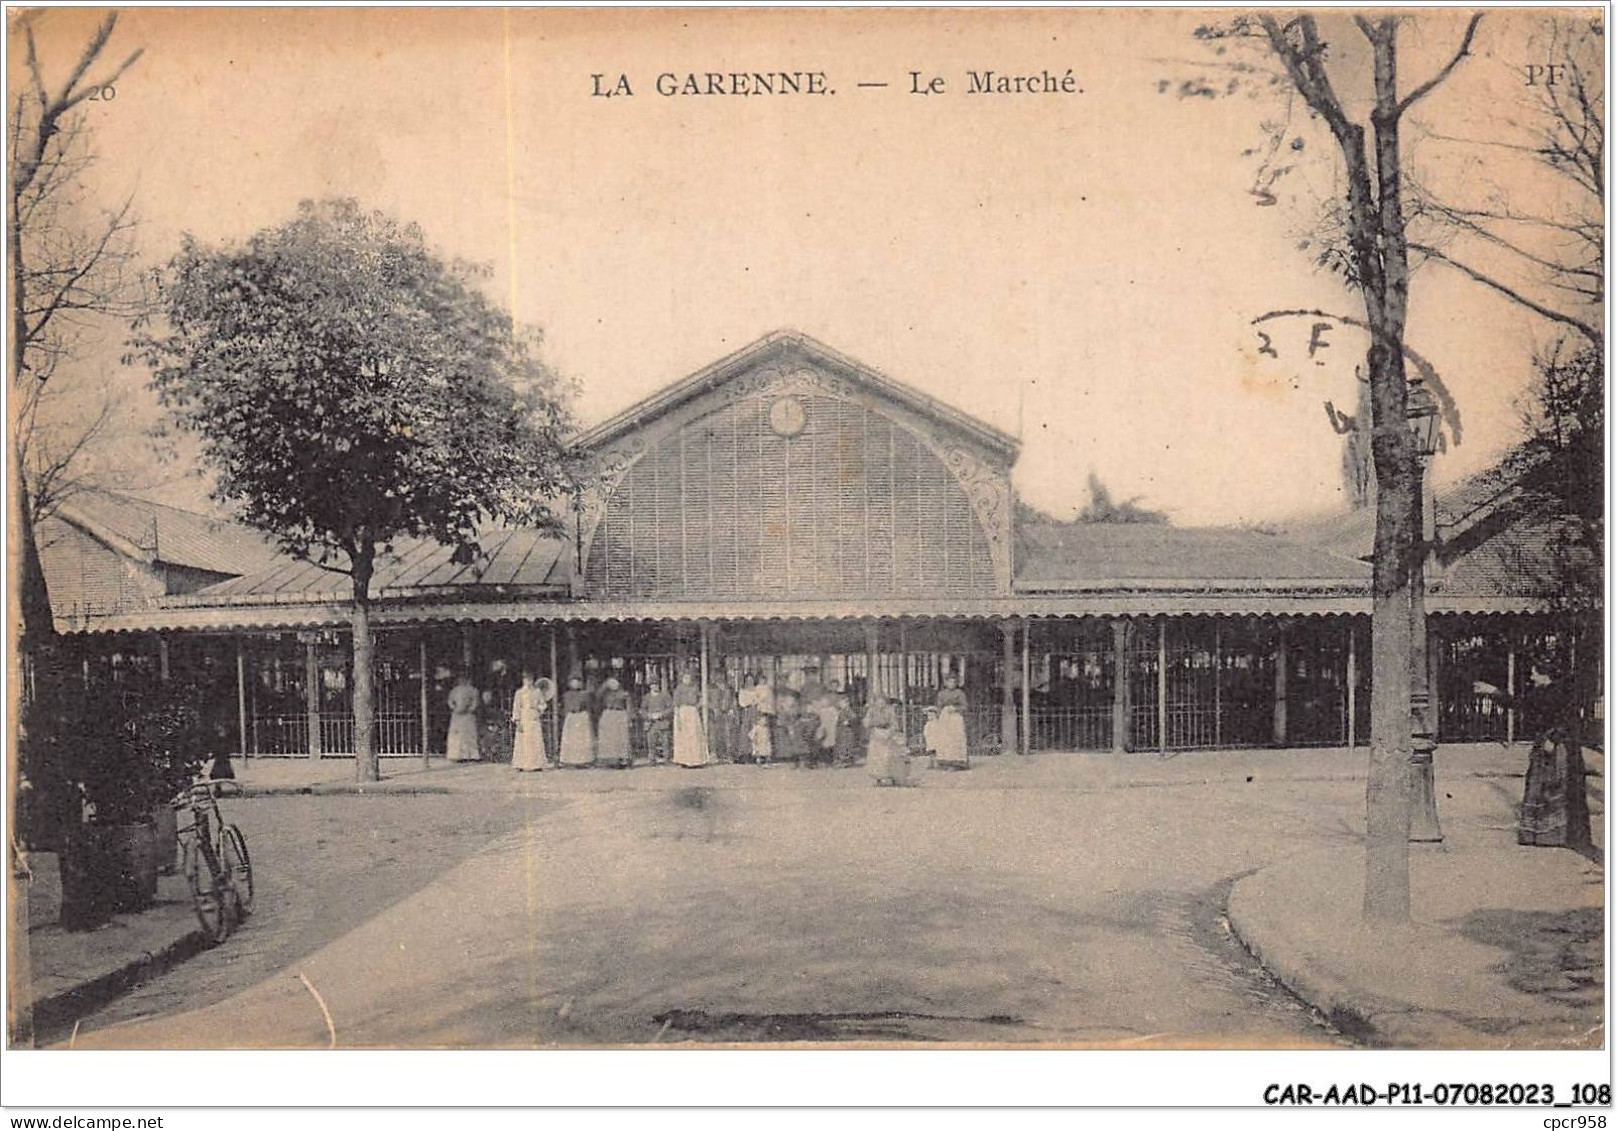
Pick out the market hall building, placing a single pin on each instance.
(790, 512)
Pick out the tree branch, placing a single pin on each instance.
(1587, 230)
(1481, 232)
(102, 83)
(322, 565)
(1305, 69)
(1586, 329)
(88, 260)
(88, 56)
(1436, 80)
(35, 74)
(51, 483)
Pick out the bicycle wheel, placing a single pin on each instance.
(208, 897)
(240, 867)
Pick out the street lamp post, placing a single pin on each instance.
(1422, 417)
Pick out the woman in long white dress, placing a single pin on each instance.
(950, 730)
(461, 744)
(577, 735)
(690, 740)
(528, 716)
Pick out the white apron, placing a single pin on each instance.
(947, 737)
(885, 758)
(577, 743)
(690, 744)
(612, 738)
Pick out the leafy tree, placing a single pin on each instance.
(349, 389)
(1102, 508)
(1555, 480)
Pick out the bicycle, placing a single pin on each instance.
(217, 866)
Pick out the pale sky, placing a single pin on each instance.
(1094, 258)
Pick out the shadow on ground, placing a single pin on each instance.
(324, 865)
(1557, 955)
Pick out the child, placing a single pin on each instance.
(827, 722)
(658, 710)
(759, 737)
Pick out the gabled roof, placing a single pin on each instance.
(153, 533)
(86, 577)
(786, 343)
(1069, 555)
(514, 562)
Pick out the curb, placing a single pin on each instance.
(61, 1009)
(1346, 1017)
(1408, 989)
(335, 790)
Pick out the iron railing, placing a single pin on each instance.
(1072, 728)
(395, 734)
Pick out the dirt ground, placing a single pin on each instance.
(790, 908)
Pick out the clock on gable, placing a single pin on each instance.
(787, 417)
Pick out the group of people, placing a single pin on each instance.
(811, 727)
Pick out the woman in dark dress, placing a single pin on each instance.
(1555, 800)
(1543, 817)
(612, 731)
(721, 703)
(789, 744)
(847, 744)
(577, 733)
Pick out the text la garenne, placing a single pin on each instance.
(752, 84)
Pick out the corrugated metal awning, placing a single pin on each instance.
(450, 604)
(275, 617)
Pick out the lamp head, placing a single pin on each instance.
(1421, 412)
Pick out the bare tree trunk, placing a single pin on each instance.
(29, 662)
(1382, 248)
(366, 768)
(29, 614)
(1389, 785)
(34, 617)
(1379, 247)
